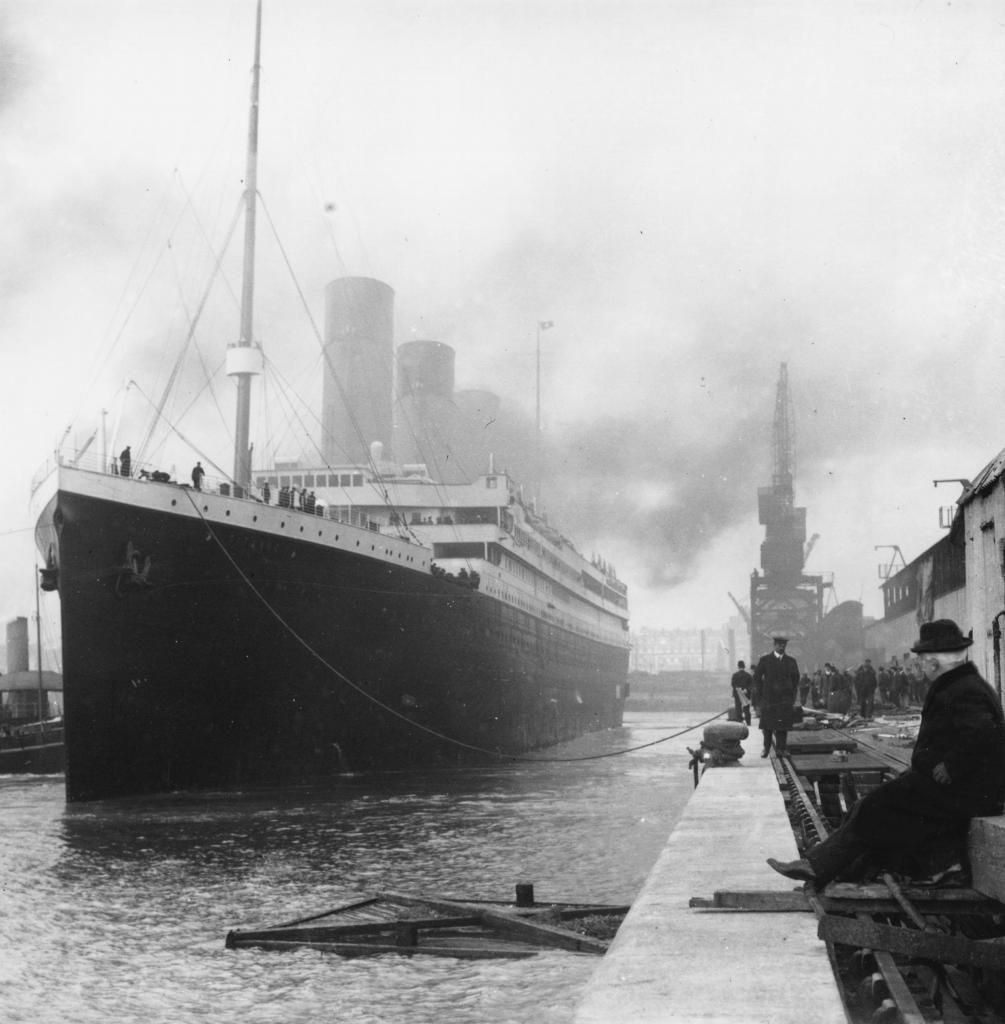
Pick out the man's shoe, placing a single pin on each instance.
(800, 870)
(764, 753)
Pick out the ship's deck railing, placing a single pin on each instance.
(94, 462)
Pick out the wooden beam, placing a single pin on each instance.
(952, 949)
(485, 951)
(543, 934)
(332, 932)
(873, 899)
(901, 995)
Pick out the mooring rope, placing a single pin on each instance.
(394, 712)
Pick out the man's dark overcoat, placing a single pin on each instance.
(776, 683)
(741, 680)
(961, 727)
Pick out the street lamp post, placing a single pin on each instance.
(542, 325)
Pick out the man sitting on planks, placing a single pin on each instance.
(957, 773)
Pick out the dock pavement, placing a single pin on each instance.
(670, 963)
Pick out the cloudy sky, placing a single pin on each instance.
(693, 192)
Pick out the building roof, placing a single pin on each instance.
(991, 473)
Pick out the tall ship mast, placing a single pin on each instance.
(244, 360)
(375, 606)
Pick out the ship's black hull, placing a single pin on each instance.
(235, 656)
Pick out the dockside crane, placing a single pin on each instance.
(810, 545)
(744, 614)
(782, 598)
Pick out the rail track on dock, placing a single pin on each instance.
(915, 954)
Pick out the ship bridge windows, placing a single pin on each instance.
(459, 550)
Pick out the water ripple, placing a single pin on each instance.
(117, 911)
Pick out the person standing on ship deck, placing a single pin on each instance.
(197, 474)
(776, 682)
(126, 462)
(957, 773)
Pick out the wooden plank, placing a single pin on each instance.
(483, 952)
(951, 949)
(813, 766)
(341, 909)
(435, 902)
(543, 934)
(917, 894)
(895, 983)
(910, 1012)
(847, 897)
(331, 932)
(762, 901)
(818, 741)
(529, 930)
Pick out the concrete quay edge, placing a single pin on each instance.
(671, 964)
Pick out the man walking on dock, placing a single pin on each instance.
(741, 683)
(776, 684)
(957, 773)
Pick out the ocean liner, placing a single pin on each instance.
(386, 604)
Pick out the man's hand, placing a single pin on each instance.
(941, 773)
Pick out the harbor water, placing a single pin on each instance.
(118, 911)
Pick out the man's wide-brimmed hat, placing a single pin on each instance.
(780, 639)
(940, 635)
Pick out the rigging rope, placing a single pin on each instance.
(392, 711)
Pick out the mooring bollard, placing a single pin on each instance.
(524, 894)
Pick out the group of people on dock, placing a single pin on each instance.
(894, 685)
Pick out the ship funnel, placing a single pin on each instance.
(359, 367)
(426, 418)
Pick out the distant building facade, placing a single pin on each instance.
(679, 650)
